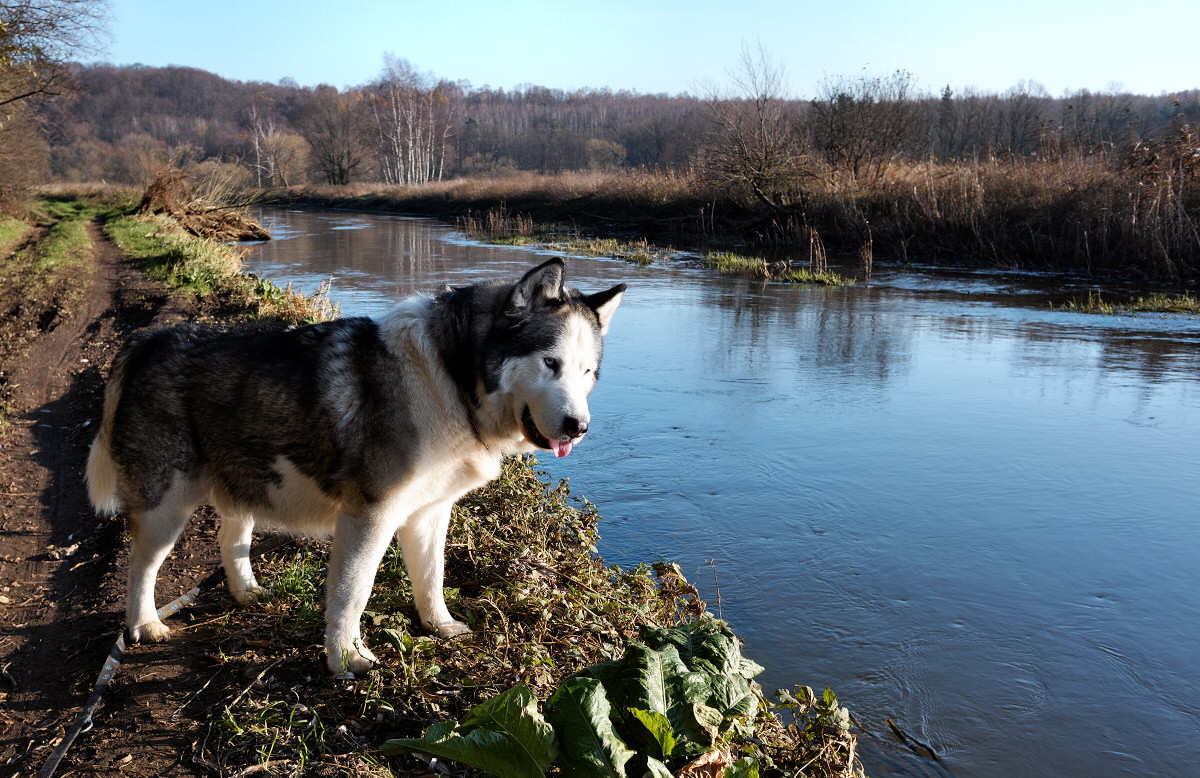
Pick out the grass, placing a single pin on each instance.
(1082, 212)
(206, 267)
(498, 227)
(11, 231)
(68, 241)
(1160, 303)
(522, 571)
(729, 263)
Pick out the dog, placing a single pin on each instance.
(357, 429)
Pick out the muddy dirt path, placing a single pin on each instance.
(61, 567)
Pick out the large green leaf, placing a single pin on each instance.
(733, 698)
(712, 653)
(505, 736)
(582, 718)
(660, 730)
(515, 714)
(702, 645)
(659, 681)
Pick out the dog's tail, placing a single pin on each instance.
(102, 473)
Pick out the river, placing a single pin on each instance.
(965, 512)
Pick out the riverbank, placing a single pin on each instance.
(239, 690)
(1092, 215)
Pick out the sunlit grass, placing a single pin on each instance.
(729, 263)
(204, 267)
(1160, 303)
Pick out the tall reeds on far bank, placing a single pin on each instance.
(1136, 215)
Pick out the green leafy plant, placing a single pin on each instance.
(675, 695)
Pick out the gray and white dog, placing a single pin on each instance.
(358, 429)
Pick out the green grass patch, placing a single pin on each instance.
(730, 263)
(518, 240)
(522, 571)
(207, 267)
(1160, 303)
(500, 228)
(11, 231)
(816, 278)
(171, 255)
(68, 241)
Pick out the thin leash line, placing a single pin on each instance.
(112, 662)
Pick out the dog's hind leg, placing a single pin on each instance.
(423, 540)
(234, 536)
(155, 531)
(359, 543)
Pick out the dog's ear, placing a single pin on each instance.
(544, 282)
(605, 305)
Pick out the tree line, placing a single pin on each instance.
(410, 127)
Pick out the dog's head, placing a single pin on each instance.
(544, 355)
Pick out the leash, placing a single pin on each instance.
(112, 662)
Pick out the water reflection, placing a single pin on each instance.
(963, 510)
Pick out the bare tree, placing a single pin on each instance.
(333, 127)
(262, 128)
(39, 37)
(280, 156)
(753, 141)
(865, 123)
(1024, 112)
(414, 122)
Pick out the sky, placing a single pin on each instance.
(674, 47)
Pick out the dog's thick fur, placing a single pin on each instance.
(357, 429)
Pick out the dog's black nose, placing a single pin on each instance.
(574, 427)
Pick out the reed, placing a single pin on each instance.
(1071, 212)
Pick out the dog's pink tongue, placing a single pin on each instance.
(560, 448)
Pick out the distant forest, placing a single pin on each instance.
(408, 127)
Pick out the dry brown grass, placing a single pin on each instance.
(1095, 213)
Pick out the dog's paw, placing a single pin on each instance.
(149, 632)
(253, 594)
(351, 663)
(452, 629)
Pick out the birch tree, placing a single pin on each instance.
(413, 123)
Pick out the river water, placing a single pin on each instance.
(965, 512)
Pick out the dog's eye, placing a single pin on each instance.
(551, 363)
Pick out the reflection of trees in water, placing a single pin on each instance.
(1154, 356)
(847, 331)
(813, 329)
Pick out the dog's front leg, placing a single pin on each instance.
(423, 541)
(359, 543)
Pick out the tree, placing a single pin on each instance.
(36, 39)
(333, 127)
(863, 124)
(753, 141)
(414, 122)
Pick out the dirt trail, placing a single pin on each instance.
(61, 567)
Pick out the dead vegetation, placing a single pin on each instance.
(202, 213)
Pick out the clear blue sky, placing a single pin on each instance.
(674, 46)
